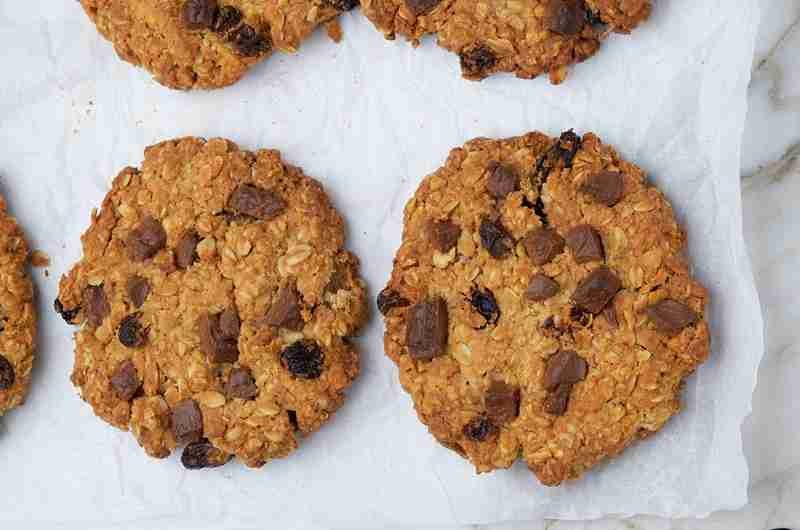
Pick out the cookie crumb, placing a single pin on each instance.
(40, 259)
(334, 30)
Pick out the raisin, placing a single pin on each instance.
(476, 62)
(389, 299)
(201, 454)
(7, 374)
(480, 429)
(304, 359)
(131, 333)
(248, 42)
(227, 18)
(484, 302)
(67, 314)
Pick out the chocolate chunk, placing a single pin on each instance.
(131, 333)
(501, 402)
(255, 202)
(476, 62)
(495, 239)
(187, 421)
(595, 291)
(200, 455)
(343, 5)
(304, 359)
(67, 314)
(285, 310)
(610, 313)
(125, 382)
(480, 429)
(7, 374)
(543, 245)
(146, 240)
(565, 17)
(563, 370)
(586, 244)
(556, 401)
(227, 18)
(671, 316)
(95, 305)
(248, 42)
(420, 7)
(427, 329)
(389, 299)
(138, 288)
(444, 235)
(199, 14)
(186, 250)
(605, 187)
(502, 180)
(566, 366)
(484, 303)
(241, 384)
(219, 335)
(541, 287)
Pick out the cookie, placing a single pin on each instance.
(207, 44)
(527, 38)
(540, 306)
(215, 300)
(17, 314)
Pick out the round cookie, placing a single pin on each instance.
(527, 38)
(540, 306)
(215, 300)
(17, 314)
(207, 44)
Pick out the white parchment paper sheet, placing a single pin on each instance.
(369, 118)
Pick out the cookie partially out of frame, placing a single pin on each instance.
(528, 38)
(207, 44)
(215, 300)
(540, 306)
(17, 314)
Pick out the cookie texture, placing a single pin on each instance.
(560, 323)
(17, 314)
(207, 44)
(215, 301)
(527, 38)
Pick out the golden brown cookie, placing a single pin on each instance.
(215, 300)
(540, 306)
(17, 314)
(189, 44)
(527, 38)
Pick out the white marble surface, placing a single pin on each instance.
(771, 188)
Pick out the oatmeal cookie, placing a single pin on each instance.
(540, 306)
(527, 38)
(215, 301)
(17, 314)
(207, 44)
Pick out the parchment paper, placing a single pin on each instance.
(369, 119)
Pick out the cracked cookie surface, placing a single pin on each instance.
(206, 44)
(540, 305)
(17, 314)
(215, 300)
(527, 38)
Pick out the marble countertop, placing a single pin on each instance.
(771, 188)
